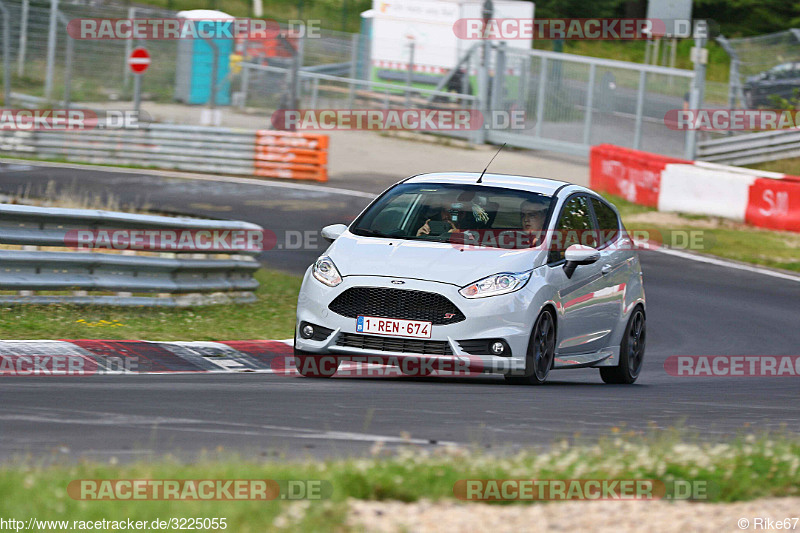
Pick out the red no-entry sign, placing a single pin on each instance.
(139, 60)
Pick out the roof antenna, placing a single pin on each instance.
(490, 162)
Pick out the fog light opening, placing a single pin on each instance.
(307, 331)
(497, 348)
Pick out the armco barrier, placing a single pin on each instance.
(269, 154)
(192, 276)
(764, 199)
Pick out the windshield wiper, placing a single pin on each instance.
(372, 233)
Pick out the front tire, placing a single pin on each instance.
(631, 352)
(541, 352)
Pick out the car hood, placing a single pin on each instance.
(432, 261)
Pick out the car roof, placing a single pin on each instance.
(526, 183)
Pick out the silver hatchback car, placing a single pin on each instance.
(506, 274)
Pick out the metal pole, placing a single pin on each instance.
(68, 73)
(637, 132)
(353, 71)
(212, 101)
(483, 88)
(540, 96)
(315, 92)
(51, 51)
(409, 73)
(23, 38)
(698, 88)
(499, 78)
(137, 92)
(6, 55)
(245, 84)
(587, 119)
(126, 72)
(656, 50)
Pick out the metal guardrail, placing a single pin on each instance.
(188, 148)
(751, 148)
(189, 277)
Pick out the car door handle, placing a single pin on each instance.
(606, 269)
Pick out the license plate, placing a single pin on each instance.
(393, 327)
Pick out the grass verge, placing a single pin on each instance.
(271, 317)
(715, 236)
(746, 468)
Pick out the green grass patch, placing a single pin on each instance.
(271, 317)
(789, 166)
(745, 468)
(719, 237)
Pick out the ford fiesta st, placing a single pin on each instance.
(515, 275)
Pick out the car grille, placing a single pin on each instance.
(396, 303)
(394, 344)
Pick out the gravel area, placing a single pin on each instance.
(605, 516)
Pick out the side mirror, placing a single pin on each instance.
(333, 232)
(578, 254)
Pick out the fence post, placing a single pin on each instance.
(126, 70)
(540, 96)
(409, 73)
(637, 131)
(315, 93)
(587, 119)
(23, 38)
(498, 83)
(68, 72)
(51, 50)
(245, 85)
(353, 72)
(6, 55)
(698, 85)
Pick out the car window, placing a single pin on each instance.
(575, 226)
(607, 221)
(460, 213)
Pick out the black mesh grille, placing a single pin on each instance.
(396, 303)
(394, 344)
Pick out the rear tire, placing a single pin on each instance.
(541, 352)
(314, 365)
(631, 352)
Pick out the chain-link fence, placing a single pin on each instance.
(97, 69)
(764, 69)
(570, 102)
(578, 101)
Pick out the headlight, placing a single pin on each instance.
(496, 284)
(326, 272)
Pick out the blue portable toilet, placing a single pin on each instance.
(196, 59)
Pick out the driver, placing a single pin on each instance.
(441, 214)
(532, 214)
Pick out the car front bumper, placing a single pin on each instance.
(508, 317)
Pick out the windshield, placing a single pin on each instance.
(471, 214)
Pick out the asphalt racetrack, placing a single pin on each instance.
(694, 308)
